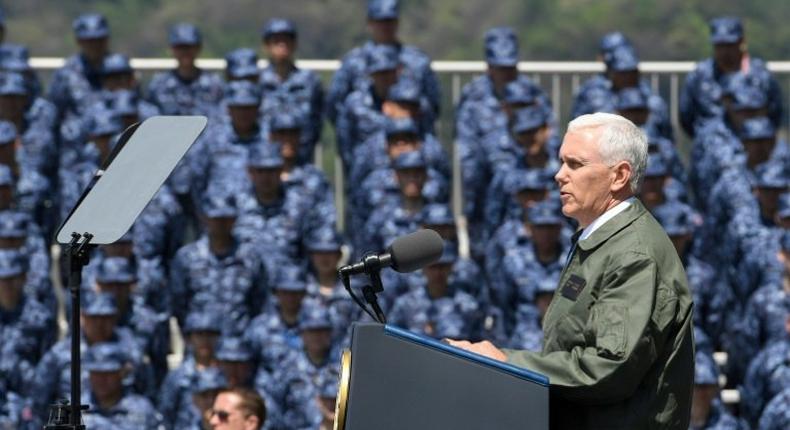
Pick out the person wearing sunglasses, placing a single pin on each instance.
(238, 409)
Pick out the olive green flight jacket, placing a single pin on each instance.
(618, 346)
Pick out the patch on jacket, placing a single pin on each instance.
(573, 287)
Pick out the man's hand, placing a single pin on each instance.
(484, 348)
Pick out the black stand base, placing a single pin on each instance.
(60, 417)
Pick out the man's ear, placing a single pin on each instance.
(252, 422)
(622, 176)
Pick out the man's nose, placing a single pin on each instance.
(560, 177)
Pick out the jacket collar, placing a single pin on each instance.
(614, 225)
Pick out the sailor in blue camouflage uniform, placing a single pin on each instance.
(105, 363)
(207, 384)
(701, 96)
(286, 129)
(397, 211)
(275, 331)
(652, 192)
(761, 143)
(186, 89)
(34, 287)
(440, 309)
(27, 326)
(713, 297)
(528, 329)
(299, 373)
(538, 253)
(600, 93)
(768, 374)
(273, 219)
(361, 113)
(201, 330)
(324, 248)
(776, 415)
(285, 85)
(707, 410)
(159, 230)
(53, 372)
(219, 268)
(36, 139)
(220, 155)
(28, 190)
(383, 25)
(117, 74)
(77, 84)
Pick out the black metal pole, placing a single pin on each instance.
(75, 280)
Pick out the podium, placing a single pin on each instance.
(394, 379)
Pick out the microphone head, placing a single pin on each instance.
(416, 250)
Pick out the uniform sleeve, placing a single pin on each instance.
(775, 106)
(686, 104)
(620, 336)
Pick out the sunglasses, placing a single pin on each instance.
(222, 415)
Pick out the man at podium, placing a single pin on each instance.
(618, 347)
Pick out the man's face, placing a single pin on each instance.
(280, 47)
(638, 116)
(226, 415)
(400, 144)
(502, 75)
(769, 200)
(290, 301)
(383, 80)
(437, 274)
(446, 231)
(243, 118)
(317, 341)
(185, 55)
(12, 107)
(758, 150)
(9, 242)
(238, 373)
(624, 79)
(203, 401)
(11, 291)
(203, 342)
(545, 236)
(652, 191)
(542, 302)
(106, 384)
(94, 49)
(121, 291)
(383, 31)
(584, 179)
(98, 328)
(118, 81)
(325, 261)
(266, 180)
(728, 55)
(411, 181)
(220, 226)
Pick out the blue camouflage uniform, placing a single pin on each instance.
(768, 374)
(119, 64)
(242, 64)
(175, 95)
(269, 334)
(342, 309)
(354, 65)
(528, 330)
(77, 84)
(132, 411)
(174, 400)
(159, 230)
(275, 228)
(298, 375)
(16, 58)
(53, 372)
(701, 95)
(776, 415)
(235, 281)
(300, 90)
(24, 235)
(36, 136)
(719, 418)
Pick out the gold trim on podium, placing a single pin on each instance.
(342, 392)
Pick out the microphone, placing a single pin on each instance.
(406, 254)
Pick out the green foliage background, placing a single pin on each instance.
(446, 29)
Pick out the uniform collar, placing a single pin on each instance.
(613, 224)
(604, 217)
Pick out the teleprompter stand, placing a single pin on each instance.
(139, 164)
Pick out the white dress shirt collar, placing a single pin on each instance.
(606, 216)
